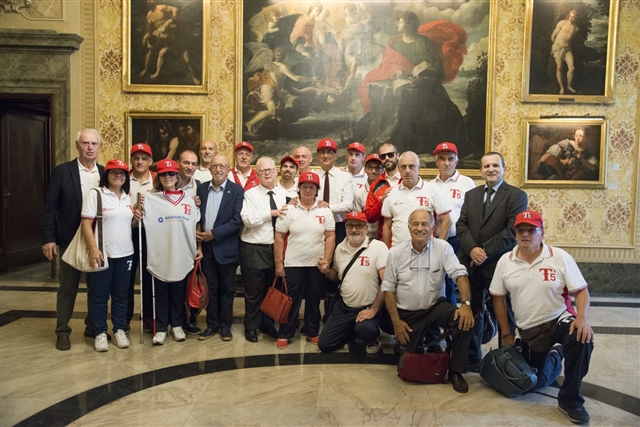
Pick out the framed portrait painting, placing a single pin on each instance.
(569, 54)
(564, 152)
(414, 74)
(168, 134)
(164, 46)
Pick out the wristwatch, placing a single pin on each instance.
(467, 303)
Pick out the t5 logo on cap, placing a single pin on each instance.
(167, 164)
(120, 162)
(526, 215)
(139, 147)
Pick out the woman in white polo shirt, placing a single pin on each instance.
(117, 214)
(311, 238)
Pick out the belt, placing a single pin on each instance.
(261, 245)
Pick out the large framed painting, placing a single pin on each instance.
(164, 46)
(564, 152)
(569, 54)
(168, 134)
(414, 74)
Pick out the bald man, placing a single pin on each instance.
(304, 157)
(208, 149)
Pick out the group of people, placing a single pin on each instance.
(393, 247)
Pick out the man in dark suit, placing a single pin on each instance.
(70, 183)
(486, 231)
(221, 204)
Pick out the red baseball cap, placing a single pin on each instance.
(290, 159)
(116, 164)
(529, 217)
(167, 165)
(329, 144)
(243, 144)
(373, 157)
(356, 216)
(356, 146)
(140, 146)
(311, 177)
(446, 146)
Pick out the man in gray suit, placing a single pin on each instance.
(486, 231)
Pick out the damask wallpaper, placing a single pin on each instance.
(595, 225)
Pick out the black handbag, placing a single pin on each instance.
(506, 370)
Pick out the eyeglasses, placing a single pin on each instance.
(388, 155)
(374, 167)
(219, 166)
(165, 174)
(529, 231)
(358, 226)
(415, 264)
(267, 171)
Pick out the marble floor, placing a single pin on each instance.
(237, 383)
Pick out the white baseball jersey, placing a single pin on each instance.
(454, 189)
(537, 289)
(170, 218)
(401, 201)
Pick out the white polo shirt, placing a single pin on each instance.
(139, 187)
(359, 179)
(537, 289)
(417, 278)
(306, 239)
(454, 189)
(340, 192)
(359, 203)
(292, 192)
(191, 188)
(202, 174)
(361, 284)
(393, 180)
(116, 221)
(88, 178)
(256, 214)
(401, 201)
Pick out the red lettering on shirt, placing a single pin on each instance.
(422, 200)
(320, 219)
(549, 274)
(456, 194)
(187, 208)
(364, 260)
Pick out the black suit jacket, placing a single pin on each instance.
(64, 204)
(494, 233)
(226, 229)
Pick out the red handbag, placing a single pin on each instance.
(197, 289)
(277, 304)
(424, 368)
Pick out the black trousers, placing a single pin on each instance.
(170, 309)
(304, 282)
(258, 272)
(441, 315)
(146, 277)
(479, 291)
(341, 326)
(221, 281)
(69, 279)
(576, 365)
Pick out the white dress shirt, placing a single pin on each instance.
(340, 192)
(256, 214)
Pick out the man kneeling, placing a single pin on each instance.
(538, 277)
(359, 309)
(414, 293)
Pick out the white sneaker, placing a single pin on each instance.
(101, 344)
(373, 347)
(121, 339)
(178, 334)
(159, 338)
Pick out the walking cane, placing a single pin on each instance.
(153, 296)
(141, 286)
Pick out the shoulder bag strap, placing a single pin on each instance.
(346, 270)
(100, 243)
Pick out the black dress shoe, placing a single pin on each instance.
(250, 335)
(458, 382)
(226, 335)
(63, 343)
(207, 334)
(91, 334)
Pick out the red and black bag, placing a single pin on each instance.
(422, 367)
(197, 289)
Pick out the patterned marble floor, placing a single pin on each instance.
(237, 383)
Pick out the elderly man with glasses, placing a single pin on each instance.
(414, 293)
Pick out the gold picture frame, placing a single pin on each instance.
(165, 50)
(339, 116)
(167, 133)
(580, 35)
(564, 152)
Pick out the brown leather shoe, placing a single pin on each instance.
(458, 382)
(63, 343)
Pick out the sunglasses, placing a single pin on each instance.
(388, 155)
(167, 174)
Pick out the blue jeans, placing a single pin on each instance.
(114, 282)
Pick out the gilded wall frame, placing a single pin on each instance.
(326, 103)
(564, 152)
(167, 133)
(579, 32)
(178, 32)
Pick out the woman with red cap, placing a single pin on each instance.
(117, 214)
(170, 221)
(311, 239)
